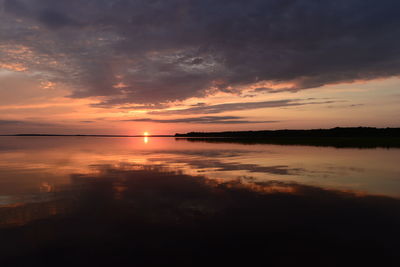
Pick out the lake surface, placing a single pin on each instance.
(91, 201)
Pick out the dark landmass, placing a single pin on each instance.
(360, 137)
(87, 135)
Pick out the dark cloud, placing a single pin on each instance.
(162, 51)
(272, 90)
(10, 122)
(136, 107)
(25, 126)
(55, 19)
(205, 120)
(346, 106)
(22, 123)
(219, 108)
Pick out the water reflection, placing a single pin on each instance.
(150, 215)
(110, 202)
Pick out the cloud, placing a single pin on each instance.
(346, 106)
(150, 52)
(136, 107)
(273, 90)
(10, 122)
(219, 108)
(204, 120)
(23, 123)
(56, 19)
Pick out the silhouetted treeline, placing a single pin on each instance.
(84, 135)
(360, 137)
(334, 132)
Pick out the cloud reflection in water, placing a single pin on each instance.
(153, 215)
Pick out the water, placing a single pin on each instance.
(87, 201)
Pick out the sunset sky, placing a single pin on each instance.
(167, 66)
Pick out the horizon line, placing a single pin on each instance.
(173, 135)
(91, 135)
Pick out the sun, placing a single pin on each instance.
(146, 134)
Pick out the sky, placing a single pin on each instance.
(167, 66)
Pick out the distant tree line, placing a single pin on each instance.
(338, 132)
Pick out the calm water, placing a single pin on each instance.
(87, 201)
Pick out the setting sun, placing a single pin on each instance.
(146, 134)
